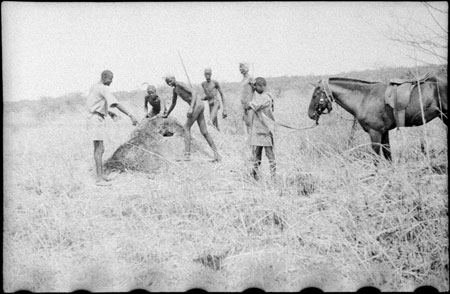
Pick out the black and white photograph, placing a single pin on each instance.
(225, 146)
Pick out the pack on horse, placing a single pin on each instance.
(380, 107)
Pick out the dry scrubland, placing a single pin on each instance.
(332, 220)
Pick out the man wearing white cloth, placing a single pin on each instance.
(99, 100)
(262, 126)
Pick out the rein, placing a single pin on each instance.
(284, 125)
(297, 129)
(326, 89)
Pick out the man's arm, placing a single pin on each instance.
(193, 103)
(204, 86)
(126, 112)
(174, 102)
(224, 112)
(162, 102)
(112, 102)
(260, 102)
(193, 97)
(204, 90)
(251, 82)
(193, 100)
(145, 104)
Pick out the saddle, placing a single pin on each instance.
(398, 96)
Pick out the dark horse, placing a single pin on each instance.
(365, 101)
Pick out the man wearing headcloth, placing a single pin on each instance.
(99, 100)
(245, 93)
(211, 87)
(195, 113)
(155, 102)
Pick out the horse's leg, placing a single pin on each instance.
(386, 146)
(442, 102)
(375, 137)
(422, 146)
(352, 132)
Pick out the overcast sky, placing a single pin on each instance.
(51, 49)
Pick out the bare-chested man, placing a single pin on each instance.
(195, 113)
(155, 102)
(211, 87)
(245, 93)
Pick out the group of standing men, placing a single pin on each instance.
(257, 113)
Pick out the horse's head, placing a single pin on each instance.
(320, 101)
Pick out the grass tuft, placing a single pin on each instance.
(330, 219)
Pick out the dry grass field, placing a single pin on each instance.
(332, 220)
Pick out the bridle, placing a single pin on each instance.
(324, 104)
(326, 89)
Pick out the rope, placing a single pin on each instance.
(297, 129)
(283, 125)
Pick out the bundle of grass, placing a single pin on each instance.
(156, 143)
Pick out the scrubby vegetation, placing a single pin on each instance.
(331, 220)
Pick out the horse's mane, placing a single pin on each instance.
(352, 80)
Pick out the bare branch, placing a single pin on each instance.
(419, 46)
(427, 7)
(418, 59)
(437, 9)
(426, 46)
(425, 39)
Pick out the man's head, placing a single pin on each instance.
(260, 85)
(107, 77)
(170, 79)
(243, 67)
(151, 91)
(208, 74)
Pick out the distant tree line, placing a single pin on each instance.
(75, 102)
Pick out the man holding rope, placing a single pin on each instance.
(99, 100)
(262, 126)
(195, 113)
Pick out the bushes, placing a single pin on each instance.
(333, 220)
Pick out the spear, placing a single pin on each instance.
(187, 76)
(184, 67)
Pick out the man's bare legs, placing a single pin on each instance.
(187, 137)
(246, 117)
(213, 112)
(101, 180)
(187, 131)
(202, 125)
(271, 156)
(198, 116)
(256, 157)
(247, 124)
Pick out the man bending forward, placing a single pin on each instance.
(195, 113)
